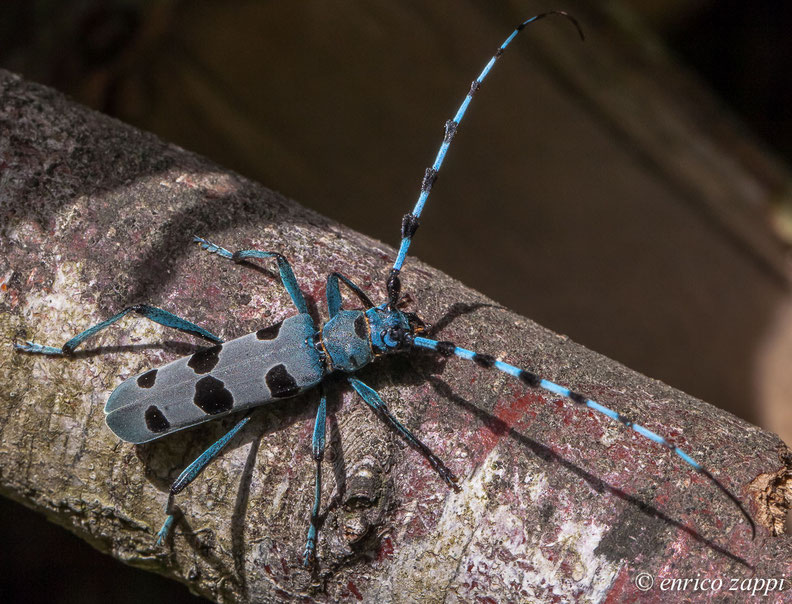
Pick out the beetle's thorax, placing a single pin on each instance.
(346, 342)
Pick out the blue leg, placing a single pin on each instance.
(192, 471)
(334, 293)
(370, 396)
(163, 317)
(286, 274)
(410, 221)
(317, 449)
(531, 379)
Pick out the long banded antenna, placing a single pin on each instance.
(410, 221)
(528, 378)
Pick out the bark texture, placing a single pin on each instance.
(557, 503)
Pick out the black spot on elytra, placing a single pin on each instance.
(204, 361)
(269, 333)
(155, 420)
(280, 382)
(360, 327)
(211, 396)
(147, 379)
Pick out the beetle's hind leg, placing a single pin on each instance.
(152, 313)
(192, 472)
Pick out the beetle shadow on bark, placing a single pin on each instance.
(174, 347)
(547, 455)
(457, 310)
(240, 512)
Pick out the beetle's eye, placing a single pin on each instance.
(394, 337)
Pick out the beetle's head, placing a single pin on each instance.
(392, 329)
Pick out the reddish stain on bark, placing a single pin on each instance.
(506, 416)
(385, 549)
(354, 590)
(622, 588)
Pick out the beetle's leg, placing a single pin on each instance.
(333, 290)
(374, 401)
(192, 471)
(286, 273)
(317, 450)
(152, 313)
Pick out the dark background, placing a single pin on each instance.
(202, 74)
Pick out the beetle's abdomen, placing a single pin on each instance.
(275, 362)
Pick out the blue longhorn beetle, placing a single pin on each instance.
(285, 359)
